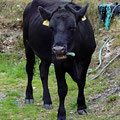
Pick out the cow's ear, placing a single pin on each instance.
(45, 14)
(80, 14)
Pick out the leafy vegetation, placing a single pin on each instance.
(102, 94)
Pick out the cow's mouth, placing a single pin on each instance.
(61, 57)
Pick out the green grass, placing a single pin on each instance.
(13, 81)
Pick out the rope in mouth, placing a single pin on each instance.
(71, 54)
(65, 56)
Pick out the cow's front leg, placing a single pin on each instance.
(44, 69)
(62, 92)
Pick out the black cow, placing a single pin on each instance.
(68, 42)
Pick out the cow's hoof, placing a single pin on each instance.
(29, 101)
(61, 118)
(48, 106)
(83, 112)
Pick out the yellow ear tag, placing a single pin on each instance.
(46, 23)
(84, 18)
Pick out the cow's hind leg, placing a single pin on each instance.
(29, 69)
(44, 69)
(78, 73)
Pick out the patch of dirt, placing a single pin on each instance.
(110, 51)
(10, 34)
(10, 39)
(104, 94)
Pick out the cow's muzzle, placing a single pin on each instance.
(60, 52)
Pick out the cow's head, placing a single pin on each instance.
(63, 23)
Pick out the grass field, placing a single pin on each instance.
(13, 84)
(102, 94)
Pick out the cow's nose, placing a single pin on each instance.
(58, 50)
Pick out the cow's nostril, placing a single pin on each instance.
(58, 49)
